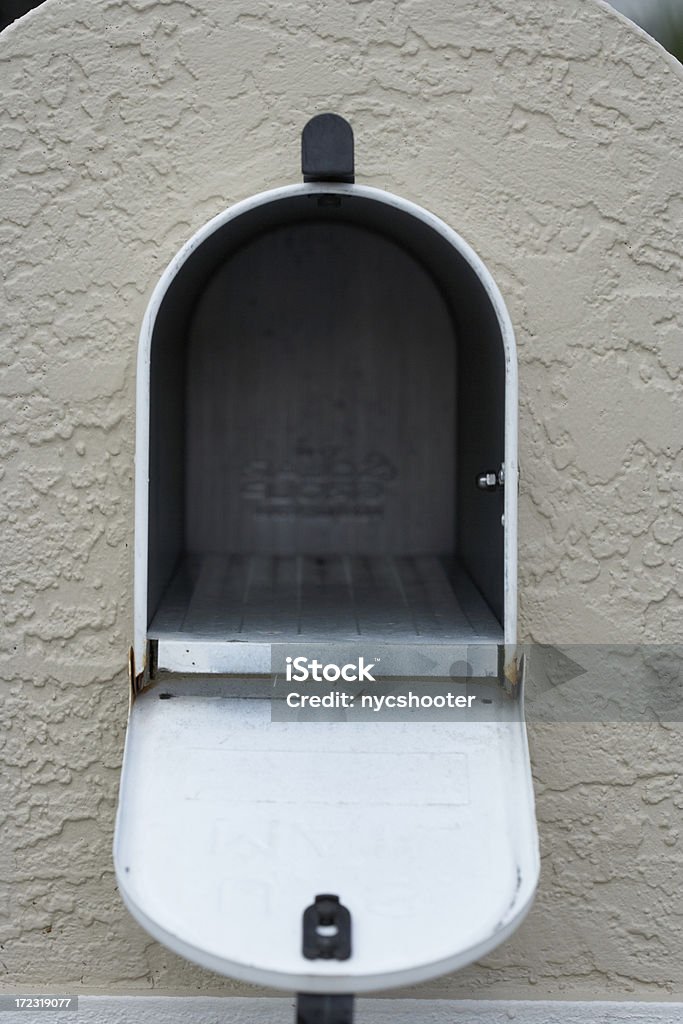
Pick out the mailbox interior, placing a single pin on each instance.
(327, 377)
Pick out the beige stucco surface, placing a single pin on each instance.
(549, 134)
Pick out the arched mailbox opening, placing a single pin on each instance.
(326, 371)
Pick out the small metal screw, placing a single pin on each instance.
(487, 482)
(491, 480)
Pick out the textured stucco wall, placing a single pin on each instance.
(549, 134)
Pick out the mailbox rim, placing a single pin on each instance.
(142, 425)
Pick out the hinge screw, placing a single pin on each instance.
(490, 480)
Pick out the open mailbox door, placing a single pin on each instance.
(326, 460)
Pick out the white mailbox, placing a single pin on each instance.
(326, 453)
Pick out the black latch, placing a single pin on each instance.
(327, 149)
(327, 930)
(327, 936)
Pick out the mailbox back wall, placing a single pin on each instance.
(549, 135)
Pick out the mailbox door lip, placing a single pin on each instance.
(339, 983)
(324, 976)
(142, 430)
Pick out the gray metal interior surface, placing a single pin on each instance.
(265, 598)
(327, 380)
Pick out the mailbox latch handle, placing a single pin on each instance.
(326, 930)
(326, 936)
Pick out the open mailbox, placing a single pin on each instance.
(326, 453)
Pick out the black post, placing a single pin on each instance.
(312, 1008)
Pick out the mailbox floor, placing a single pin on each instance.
(271, 599)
